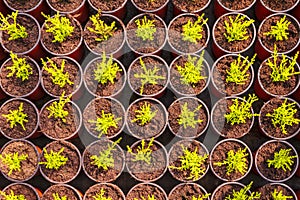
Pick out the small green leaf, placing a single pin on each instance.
(12, 196)
(144, 115)
(20, 68)
(201, 197)
(13, 161)
(54, 160)
(56, 109)
(16, 117)
(145, 28)
(187, 118)
(143, 152)
(244, 194)
(192, 32)
(282, 160)
(100, 196)
(57, 197)
(279, 196)
(280, 30)
(14, 29)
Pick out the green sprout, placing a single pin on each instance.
(105, 158)
(243, 194)
(12, 196)
(193, 162)
(192, 32)
(58, 76)
(106, 71)
(13, 161)
(236, 30)
(145, 28)
(56, 109)
(149, 76)
(16, 117)
(201, 197)
(20, 68)
(152, 197)
(284, 116)
(143, 153)
(57, 197)
(59, 26)
(235, 161)
(101, 28)
(279, 196)
(144, 115)
(238, 70)
(187, 117)
(100, 196)
(191, 72)
(280, 30)
(54, 160)
(283, 71)
(282, 160)
(14, 30)
(241, 111)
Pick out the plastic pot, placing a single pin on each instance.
(119, 12)
(17, 189)
(160, 11)
(179, 191)
(178, 11)
(220, 9)
(114, 192)
(61, 190)
(145, 189)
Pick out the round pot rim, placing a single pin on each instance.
(187, 183)
(155, 101)
(227, 183)
(289, 146)
(239, 10)
(23, 11)
(106, 184)
(166, 66)
(24, 184)
(166, 158)
(149, 11)
(207, 116)
(279, 11)
(213, 69)
(234, 52)
(109, 11)
(193, 12)
(283, 185)
(37, 118)
(206, 66)
(249, 155)
(100, 59)
(260, 120)
(64, 185)
(69, 12)
(112, 100)
(184, 53)
(189, 141)
(152, 184)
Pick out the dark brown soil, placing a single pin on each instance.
(67, 171)
(28, 166)
(186, 191)
(220, 154)
(267, 153)
(105, 5)
(109, 46)
(267, 190)
(20, 189)
(175, 77)
(284, 45)
(22, 45)
(55, 127)
(94, 110)
(150, 63)
(74, 75)
(177, 152)
(99, 174)
(67, 46)
(146, 46)
(189, 6)
(174, 115)
(225, 191)
(220, 74)
(112, 191)
(108, 89)
(17, 132)
(144, 171)
(61, 190)
(234, 46)
(65, 5)
(149, 5)
(152, 128)
(279, 5)
(236, 4)
(175, 37)
(22, 5)
(143, 190)
(266, 122)
(226, 129)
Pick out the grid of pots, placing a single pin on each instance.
(189, 117)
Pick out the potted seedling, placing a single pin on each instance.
(232, 75)
(146, 191)
(191, 191)
(60, 119)
(19, 119)
(20, 191)
(276, 161)
(146, 34)
(19, 160)
(189, 74)
(186, 6)
(280, 118)
(60, 162)
(104, 191)
(103, 160)
(188, 160)
(105, 33)
(158, 7)
(62, 192)
(104, 117)
(233, 117)
(104, 76)
(148, 76)
(188, 117)
(231, 160)
(116, 8)
(233, 33)
(222, 7)
(146, 160)
(277, 191)
(188, 33)
(146, 118)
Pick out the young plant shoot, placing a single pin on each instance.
(143, 152)
(13, 161)
(101, 195)
(280, 30)
(192, 32)
(201, 197)
(279, 196)
(144, 115)
(145, 28)
(282, 160)
(150, 197)
(12, 196)
(14, 30)
(188, 118)
(244, 194)
(16, 117)
(56, 109)
(57, 197)
(20, 68)
(54, 160)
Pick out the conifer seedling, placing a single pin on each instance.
(145, 28)
(100, 196)
(54, 160)
(56, 109)
(143, 152)
(279, 196)
(14, 29)
(12, 196)
(13, 161)
(20, 68)
(16, 117)
(188, 118)
(280, 30)
(282, 160)
(57, 197)
(244, 194)
(144, 115)
(201, 197)
(192, 32)
(150, 197)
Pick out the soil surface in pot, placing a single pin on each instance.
(226, 190)
(105, 5)
(61, 190)
(67, 171)
(176, 39)
(150, 63)
(186, 191)
(284, 45)
(22, 5)
(220, 74)
(236, 4)
(65, 6)
(111, 191)
(226, 129)
(143, 190)
(18, 132)
(150, 5)
(267, 190)
(20, 189)
(279, 5)
(146, 46)
(28, 166)
(189, 6)
(266, 122)
(174, 115)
